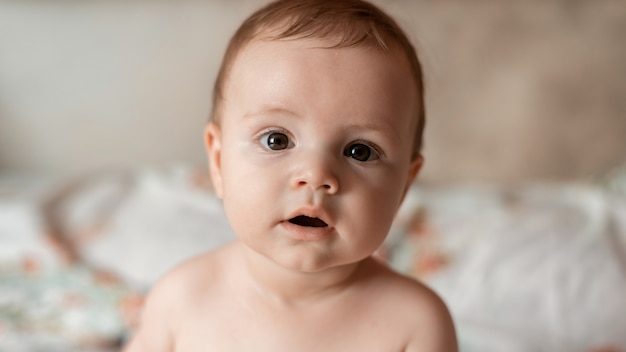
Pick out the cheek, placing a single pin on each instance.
(248, 189)
(373, 210)
(238, 172)
(238, 187)
(382, 190)
(242, 203)
(381, 207)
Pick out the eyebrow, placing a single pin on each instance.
(384, 128)
(268, 111)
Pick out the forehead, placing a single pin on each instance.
(277, 70)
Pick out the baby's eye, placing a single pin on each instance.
(276, 141)
(361, 152)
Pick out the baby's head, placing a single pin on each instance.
(343, 23)
(316, 130)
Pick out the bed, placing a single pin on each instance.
(538, 267)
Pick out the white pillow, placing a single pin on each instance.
(162, 219)
(536, 264)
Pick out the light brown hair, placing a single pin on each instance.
(345, 23)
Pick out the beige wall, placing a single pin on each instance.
(516, 90)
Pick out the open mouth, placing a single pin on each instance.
(303, 220)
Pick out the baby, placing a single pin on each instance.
(313, 142)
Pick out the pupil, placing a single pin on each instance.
(277, 141)
(360, 152)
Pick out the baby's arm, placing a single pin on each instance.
(154, 333)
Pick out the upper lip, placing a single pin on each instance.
(316, 213)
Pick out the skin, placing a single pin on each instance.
(342, 121)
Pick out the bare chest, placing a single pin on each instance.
(244, 328)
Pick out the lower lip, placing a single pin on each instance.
(307, 233)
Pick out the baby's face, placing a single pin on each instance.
(313, 153)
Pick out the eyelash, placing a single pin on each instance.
(375, 148)
(267, 132)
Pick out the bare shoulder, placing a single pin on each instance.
(170, 299)
(185, 281)
(419, 310)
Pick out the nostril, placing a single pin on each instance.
(318, 184)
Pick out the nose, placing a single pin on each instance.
(316, 173)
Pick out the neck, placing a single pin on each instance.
(290, 287)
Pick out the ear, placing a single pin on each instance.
(213, 145)
(414, 169)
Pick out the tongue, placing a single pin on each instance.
(307, 221)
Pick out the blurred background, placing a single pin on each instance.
(516, 90)
(518, 220)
